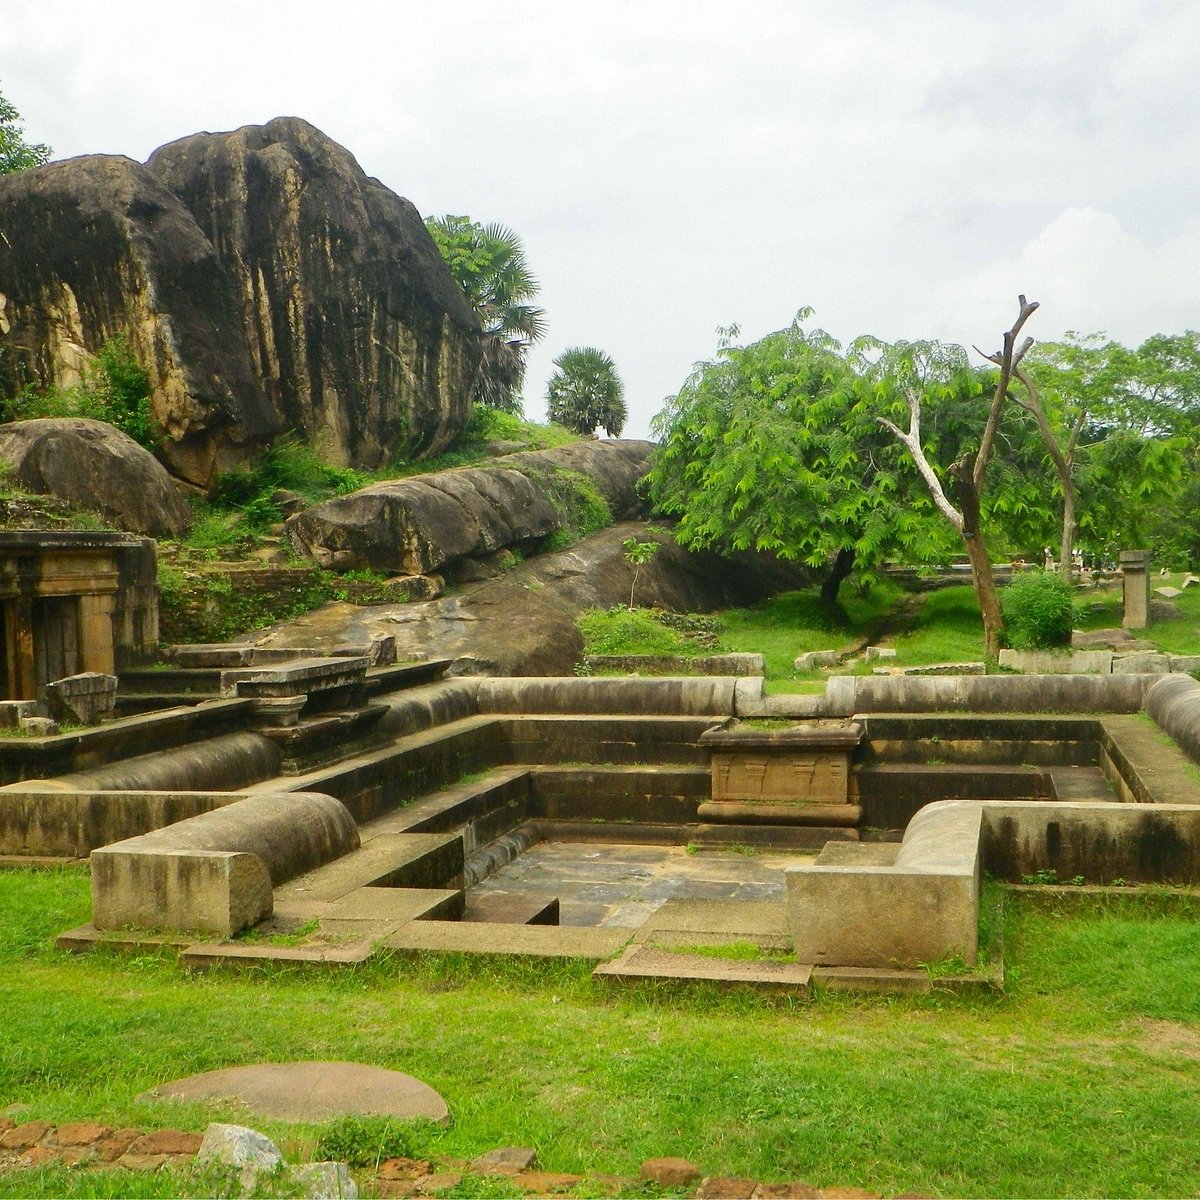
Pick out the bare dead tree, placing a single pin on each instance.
(970, 474)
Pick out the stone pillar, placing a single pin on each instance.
(1135, 569)
(96, 633)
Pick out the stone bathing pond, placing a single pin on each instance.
(667, 828)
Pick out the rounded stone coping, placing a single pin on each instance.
(312, 1091)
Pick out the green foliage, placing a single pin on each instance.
(1138, 416)
(775, 446)
(488, 262)
(366, 1141)
(637, 554)
(213, 605)
(244, 502)
(578, 502)
(486, 425)
(1038, 611)
(114, 388)
(585, 392)
(16, 154)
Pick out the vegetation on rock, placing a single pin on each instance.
(113, 388)
(585, 393)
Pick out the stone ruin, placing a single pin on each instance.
(381, 802)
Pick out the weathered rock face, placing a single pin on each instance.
(523, 623)
(414, 526)
(94, 466)
(265, 283)
(95, 247)
(351, 320)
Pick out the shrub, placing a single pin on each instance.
(1038, 611)
(114, 388)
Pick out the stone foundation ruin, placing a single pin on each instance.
(371, 802)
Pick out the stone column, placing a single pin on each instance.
(1135, 569)
(96, 633)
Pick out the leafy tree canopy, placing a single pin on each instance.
(15, 152)
(586, 393)
(774, 446)
(488, 262)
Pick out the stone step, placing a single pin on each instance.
(398, 860)
(770, 837)
(732, 812)
(453, 806)
(510, 908)
(640, 962)
(541, 941)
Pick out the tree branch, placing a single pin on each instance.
(1006, 358)
(912, 440)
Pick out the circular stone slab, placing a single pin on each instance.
(312, 1091)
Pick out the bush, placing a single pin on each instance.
(1038, 611)
(114, 388)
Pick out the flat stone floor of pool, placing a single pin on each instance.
(618, 886)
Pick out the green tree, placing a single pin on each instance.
(15, 152)
(488, 262)
(774, 446)
(586, 393)
(1123, 429)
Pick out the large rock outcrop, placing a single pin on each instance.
(94, 466)
(265, 283)
(523, 622)
(417, 525)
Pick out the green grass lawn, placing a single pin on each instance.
(1083, 1080)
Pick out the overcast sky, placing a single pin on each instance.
(903, 168)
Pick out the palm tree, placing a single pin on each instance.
(488, 263)
(585, 392)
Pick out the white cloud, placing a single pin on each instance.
(905, 169)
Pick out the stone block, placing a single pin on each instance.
(506, 1160)
(812, 659)
(22, 1137)
(1167, 592)
(1052, 662)
(207, 891)
(246, 1150)
(799, 765)
(963, 668)
(726, 1187)
(320, 1181)
(85, 699)
(213, 654)
(877, 653)
(923, 908)
(669, 1172)
(1144, 662)
(82, 1134)
(1186, 664)
(39, 726)
(13, 712)
(167, 1141)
